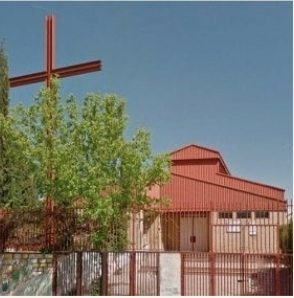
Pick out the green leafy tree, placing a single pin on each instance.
(16, 182)
(5, 178)
(85, 151)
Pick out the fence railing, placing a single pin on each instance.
(200, 274)
(141, 273)
(69, 229)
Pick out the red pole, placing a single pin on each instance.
(182, 274)
(50, 64)
(212, 274)
(132, 273)
(79, 274)
(278, 278)
(54, 275)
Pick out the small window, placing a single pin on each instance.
(261, 214)
(233, 226)
(225, 215)
(244, 214)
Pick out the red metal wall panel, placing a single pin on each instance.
(192, 194)
(203, 169)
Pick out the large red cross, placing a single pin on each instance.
(50, 63)
(46, 76)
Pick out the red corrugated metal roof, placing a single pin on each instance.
(193, 187)
(187, 194)
(251, 186)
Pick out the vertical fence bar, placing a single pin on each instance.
(157, 274)
(54, 275)
(79, 274)
(212, 274)
(243, 274)
(132, 273)
(278, 276)
(182, 274)
(133, 230)
(104, 274)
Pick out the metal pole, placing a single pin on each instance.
(157, 272)
(132, 273)
(79, 275)
(104, 274)
(54, 275)
(212, 274)
(278, 277)
(182, 274)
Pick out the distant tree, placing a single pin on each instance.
(86, 152)
(16, 181)
(286, 244)
(4, 83)
(286, 237)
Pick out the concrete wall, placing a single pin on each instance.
(16, 268)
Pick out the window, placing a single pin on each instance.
(225, 215)
(262, 214)
(252, 228)
(244, 214)
(233, 226)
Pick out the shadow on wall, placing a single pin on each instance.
(25, 274)
(40, 285)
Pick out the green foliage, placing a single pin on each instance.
(286, 237)
(15, 275)
(5, 286)
(46, 250)
(16, 180)
(89, 158)
(95, 287)
(4, 82)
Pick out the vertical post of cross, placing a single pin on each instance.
(50, 47)
(50, 238)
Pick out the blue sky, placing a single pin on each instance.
(216, 74)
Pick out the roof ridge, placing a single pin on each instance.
(197, 146)
(206, 149)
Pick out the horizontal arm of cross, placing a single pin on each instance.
(62, 72)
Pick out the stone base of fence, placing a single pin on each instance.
(17, 268)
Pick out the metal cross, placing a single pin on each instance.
(46, 76)
(50, 63)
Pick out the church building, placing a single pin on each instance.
(210, 209)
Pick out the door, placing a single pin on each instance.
(194, 233)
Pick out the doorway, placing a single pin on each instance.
(194, 232)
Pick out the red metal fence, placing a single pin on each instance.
(218, 274)
(27, 229)
(222, 231)
(107, 274)
(202, 274)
